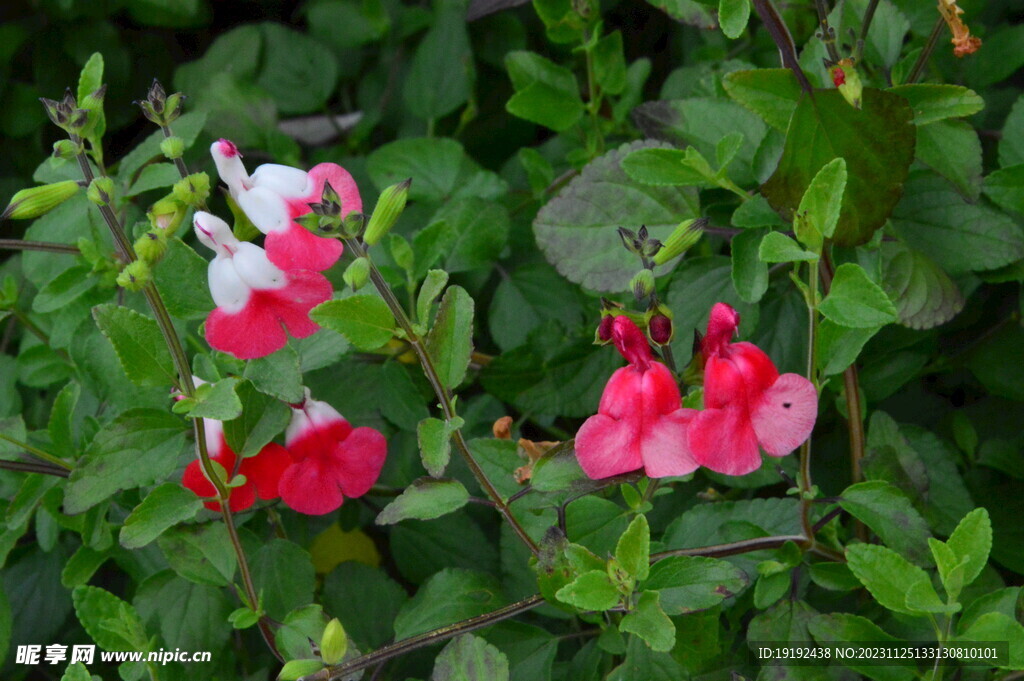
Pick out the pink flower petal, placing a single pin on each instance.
(665, 447)
(724, 441)
(756, 368)
(308, 487)
(341, 181)
(784, 416)
(357, 461)
(295, 248)
(252, 332)
(291, 304)
(606, 446)
(266, 468)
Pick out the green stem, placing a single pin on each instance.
(37, 453)
(187, 388)
(22, 245)
(926, 53)
(441, 391)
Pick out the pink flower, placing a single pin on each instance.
(746, 402)
(639, 422)
(261, 472)
(332, 460)
(255, 300)
(275, 194)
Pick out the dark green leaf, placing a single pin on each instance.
(450, 341)
(749, 272)
(531, 295)
(634, 548)
(263, 417)
(1006, 188)
(469, 658)
(449, 596)
(64, 289)
(138, 343)
(770, 93)
(441, 74)
(365, 600)
(164, 507)
(889, 577)
(181, 280)
(691, 583)
(364, 320)
(425, 499)
(856, 301)
(277, 374)
(847, 628)
(953, 150)
(438, 167)
(298, 71)
(200, 553)
(283, 572)
(923, 294)
(934, 102)
(888, 512)
(478, 231)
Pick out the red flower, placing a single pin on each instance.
(746, 402)
(639, 422)
(261, 472)
(255, 300)
(332, 460)
(274, 195)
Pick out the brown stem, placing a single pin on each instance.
(827, 34)
(34, 467)
(926, 53)
(443, 394)
(783, 40)
(869, 15)
(22, 245)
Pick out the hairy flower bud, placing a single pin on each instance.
(357, 273)
(333, 643)
(389, 207)
(66, 149)
(683, 237)
(844, 76)
(172, 147)
(642, 284)
(101, 191)
(193, 190)
(151, 246)
(135, 275)
(36, 201)
(167, 214)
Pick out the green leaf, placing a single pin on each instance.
(934, 102)
(76, 672)
(889, 513)
(434, 437)
(441, 74)
(447, 597)
(770, 93)
(469, 658)
(364, 320)
(298, 71)
(996, 626)
(959, 236)
(877, 142)
(278, 375)
(634, 548)
(733, 16)
(818, 212)
(163, 508)
(691, 583)
(140, 447)
(531, 295)
(297, 669)
(953, 150)
(200, 553)
(856, 301)
(649, 622)
(282, 571)
(546, 93)
(61, 426)
(610, 63)
(837, 347)
(216, 401)
(263, 417)
(477, 231)
(187, 616)
(138, 343)
(1006, 188)
(971, 541)
(109, 621)
(591, 590)
(81, 566)
(777, 247)
(425, 499)
(576, 230)
(888, 576)
(749, 272)
(450, 341)
(366, 601)
(1011, 146)
(439, 167)
(181, 281)
(848, 628)
(556, 471)
(154, 176)
(64, 289)
(430, 289)
(662, 167)
(924, 295)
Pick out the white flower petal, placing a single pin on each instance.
(229, 291)
(256, 270)
(229, 166)
(282, 180)
(267, 210)
(214, 233)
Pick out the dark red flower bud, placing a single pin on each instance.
(660, 329)
(604, 331)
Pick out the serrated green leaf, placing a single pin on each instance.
(591, 590)
(263, 418)
(691, 583)
(777, 247)
(1006, 188)
(971, 541)
(662, 168)
(364, 320)
(448, 596)
(65, 288)
(425, 499)
(935, 102)
(634, 548)
(217, 401)
(924, 295)
(996, 626)
(848, 628)
(284, 573)
(649, 622)
(889, 513)
(450, 341)
(430, 289)
(469, 658)
(181, 279)
(770, 93)
(953, 150)
(109, 621)
(837, 347)
(164, 507)
(439, 167)
(138, 343)
(278, 374)
(76, 672)
(200, 553)
(434, 438)
(818, 213)
(856, 301)
(887, 575)
(546, 93)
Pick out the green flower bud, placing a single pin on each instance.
(357, 273)
(352, 226)
(389, 207)
(193, 190)
(93, 105)
(66, 149)
(135, 275)
(683, 237)
(36, 201)
(847, 80)
(173, 107)
(642, 284)
(151, 246)
(101, 191)
(172, 147)
(167, 214)
(333, 643)
(296, 669)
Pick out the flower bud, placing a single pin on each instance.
(659, 329)
(167, 214)
(35, 201)
(296, 669)
(92, 104)
(193, 190)
(173, 107)
(135, 275)
(333, 643)
(389, 207)
(151, 246)
(357, 273)
(683, 237)
(846, 79)
(66, 149)
(604, 329)
(101, 191)
(353, 224)
(172, 147)
(642, 284)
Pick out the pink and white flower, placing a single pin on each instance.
(274, 195)
(332, 460)
(256, 301)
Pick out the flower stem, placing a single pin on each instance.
(187, 388)
(33, 467)
(827, 36)
(22, 245)
(869, 15)
(783, 40)
(37, 453)
(443, 394)
(926, 53)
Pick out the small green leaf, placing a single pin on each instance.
(662, 168)
(450, 341)
(109, 621)
(200, 553)
(164, 507)
(777, 247)
(470, 658)
(364, 320)
(749, 271)
(856, 301)
(997, 626)
(430, 289)
(935, 102)
(889, 513)
(217, 401)
(634, 548)
(76, 672)
(546, 94)
(887, 575)
(81, 566)
(770, 93)
(64, 289)
(971, 541)
(277, 374)
(837, 347)
(1006, 188)
(434, 437)
(138, 343)
(733, 16)
(592, 590)
(691, 583)
(818, 213)
(425, 499)
(296, 669)
(921, 597)
(649, 622)
(263, 417)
